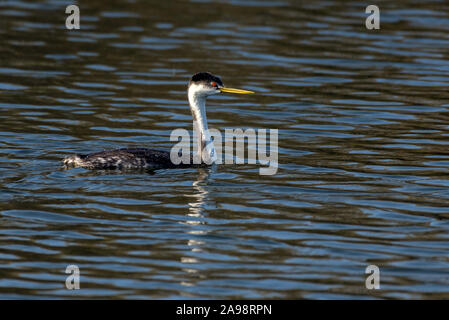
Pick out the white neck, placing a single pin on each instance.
(206, 149)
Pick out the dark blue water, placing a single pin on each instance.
(363, 150)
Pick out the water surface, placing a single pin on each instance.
(363, 150)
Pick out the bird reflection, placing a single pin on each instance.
(196, 218)
(200, 186)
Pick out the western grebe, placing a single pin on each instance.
(201, 86)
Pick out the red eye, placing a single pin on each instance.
(213, 84)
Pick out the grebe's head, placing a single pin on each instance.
(205, 84)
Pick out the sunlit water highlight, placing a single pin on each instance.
(363, 150)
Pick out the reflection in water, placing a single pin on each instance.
(196, 217)
(200, 186)
(363, 134)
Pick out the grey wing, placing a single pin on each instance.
(127, 158)
(149, 157)
(158, 158)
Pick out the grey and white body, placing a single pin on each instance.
(201, 86)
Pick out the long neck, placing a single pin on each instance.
(206, 150)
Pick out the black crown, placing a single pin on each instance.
(205, 77)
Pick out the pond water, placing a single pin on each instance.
(363, 120)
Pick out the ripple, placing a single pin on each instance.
(362, 121)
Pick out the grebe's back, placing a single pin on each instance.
(128, 158)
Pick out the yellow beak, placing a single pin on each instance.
(231, 90)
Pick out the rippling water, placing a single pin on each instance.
(363, 131)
